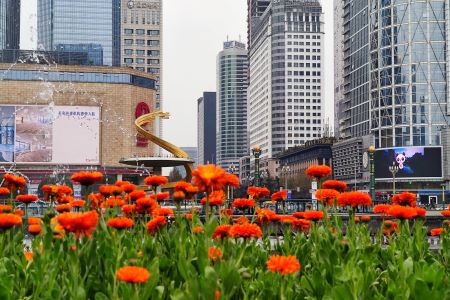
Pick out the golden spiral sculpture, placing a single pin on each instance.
(171, 148)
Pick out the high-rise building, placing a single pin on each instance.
(71, 22)
(206, 128)
(408, 72)
(9, 24)
(255, 9)
(231, 117)
(141, 39)
(338, 65)
(285, 98)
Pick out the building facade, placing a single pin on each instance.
(231, 116)
(67, 105)
(206, 128)
(338, 66)
(71, 22)
(9, 24)
(141, 39)
(255, 9)
(285, 105)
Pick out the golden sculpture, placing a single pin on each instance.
(171, 148)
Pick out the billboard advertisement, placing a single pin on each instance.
(412, 162)
(34, 134)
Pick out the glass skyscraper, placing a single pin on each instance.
(9, 24)
(231, 117)
(71, 22)
(408, 65)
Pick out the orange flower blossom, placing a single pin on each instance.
(209, 178)
(87, 178)
(318, 171)
(79, 223)
(133, 274)
(283, 264)
(337, 185)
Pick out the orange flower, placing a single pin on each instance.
(287, 219)
(162, 211)
(337, 185)
(314, 215)
(214, 254)
(64, 199)
(208, 178)
(87, 178)
(133, 274)
(34, 221)
(188, 216)
(437, 231)
(113, 202)
(160, 196)
(178, 196)
(318, 171)
(78, 203)
(421, 212)
(121, 183)
(299, 215)
(128, 188)
(28, 255)
(356, 219)
(155, 180)
(243, 203)
(9, 220)
(279, 196)
(221, 232)
(96, 200)
(120, 223)
(265, 216)
(34, 229)
(389, 227)
(283, 264)
(381, 209)
(197, 229)
(155, 223)
(258, 192)
(145, 205)
(446, 213)
(5, 208)
(226, 212)
(63, 208)
(241, 220)
(128, 209)
(4, 191)
(354, 199)
(13, 182)
(26, 199)
(327, 196)
(405, 198)
(402, 212)
(18, 212)
(188, 189)
(301, 224)
(63, 190)
(137, 194)
(79, 223)
(231, 180)
(216, 198)
(245, 230)
(365, 218)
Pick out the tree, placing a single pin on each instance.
(175, 175)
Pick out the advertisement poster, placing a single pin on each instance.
(412, 162)
(54, 135)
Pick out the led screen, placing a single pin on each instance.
(412, 162)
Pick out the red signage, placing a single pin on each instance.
(142, 108)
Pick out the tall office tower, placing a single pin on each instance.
(255, 9)
(285, 98)
(231, 117)
(80, 22)
(9, 24)
(354, 106)
(338, 66)
(141, 39)
(408, 72)
(206, 128)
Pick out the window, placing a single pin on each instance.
(140, 31)
(128, 31)
(140, 52)
(140, 42)
(153, 61)
(152, 32)
(153, 43)
(153, 52)
(128, 60)
(128, 51)
(140, 61)
(153, 70)
(128, 42)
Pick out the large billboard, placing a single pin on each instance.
(35, 134)
(412, 162)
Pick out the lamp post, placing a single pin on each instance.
(443, 195)
(371, 151)
(394, 170)
(231, 170)
(285, 171)
(256, 152)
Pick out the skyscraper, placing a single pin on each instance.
(9, 24)
(141, 39)
(231, 117)
(255, 9)
(338, 65)
(72, 22)
(285, 105)
(206, 128)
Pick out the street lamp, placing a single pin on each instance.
(443, 195)
(256, 152)
(231, 170)
(394, 170)
(371, 151)
(285, 171)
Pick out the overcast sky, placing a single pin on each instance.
(193, 33)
